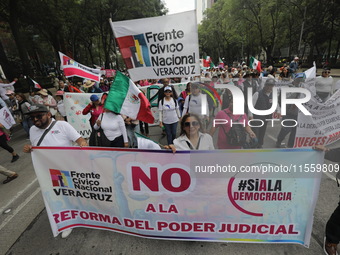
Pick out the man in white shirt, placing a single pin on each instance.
(195, 102)
(59, 134)
(324, 85)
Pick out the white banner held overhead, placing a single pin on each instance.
(6, 118)
(159, 47)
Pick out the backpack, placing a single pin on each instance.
(162, 102)
(237, 135)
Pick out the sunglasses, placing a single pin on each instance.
(194, 124)
(168, 91)
(38, 116)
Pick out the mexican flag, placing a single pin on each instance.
(220, 63)
(255, 64)
(207, 62)
(125, 98)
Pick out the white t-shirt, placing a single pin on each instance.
(147, 144)
(113, 126)
(62, 134)
(324, 84)
(195, 104)
(169, 111)
(205, 142)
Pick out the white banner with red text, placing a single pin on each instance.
(220, 196)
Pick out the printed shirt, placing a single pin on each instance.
(169, 111)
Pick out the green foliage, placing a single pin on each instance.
(78, 28)
(237, 29)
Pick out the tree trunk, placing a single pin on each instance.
(13, 22)
(5, 64)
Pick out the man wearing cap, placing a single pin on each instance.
(95, 107)
(48, 132)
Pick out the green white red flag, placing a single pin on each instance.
(125, 98)
(255, 64)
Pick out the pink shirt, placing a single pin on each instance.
(222, 142)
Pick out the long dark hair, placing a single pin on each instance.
(185, 117)
(24, 99)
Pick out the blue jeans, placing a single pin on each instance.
(170, 130)
(27, 124)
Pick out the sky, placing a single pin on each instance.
(176, 6)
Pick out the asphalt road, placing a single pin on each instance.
(25, 228)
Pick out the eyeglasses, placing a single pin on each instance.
(194, 124)
(168, 91)
(38, 116)
(326, 72)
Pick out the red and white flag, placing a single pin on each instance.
(73, 68)
(36, 85)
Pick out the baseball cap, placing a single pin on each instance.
(94, 98)
(37, 108)
(167, 88)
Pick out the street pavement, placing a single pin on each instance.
(25, 228)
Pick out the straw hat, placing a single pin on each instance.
(88, 84)
(43, 92)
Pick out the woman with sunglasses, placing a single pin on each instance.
(192, 136)
(169, 114)
(324, 85)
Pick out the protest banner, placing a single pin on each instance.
(219, 196)
(6, 118)
(159, 47)
(323, 126)
(72, 68)
(76, 102)
(74, 105)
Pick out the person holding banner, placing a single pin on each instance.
(324, 85)
(95, 108)
(332, 237)
(191, 137)
(114, 131)
(41, 134)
